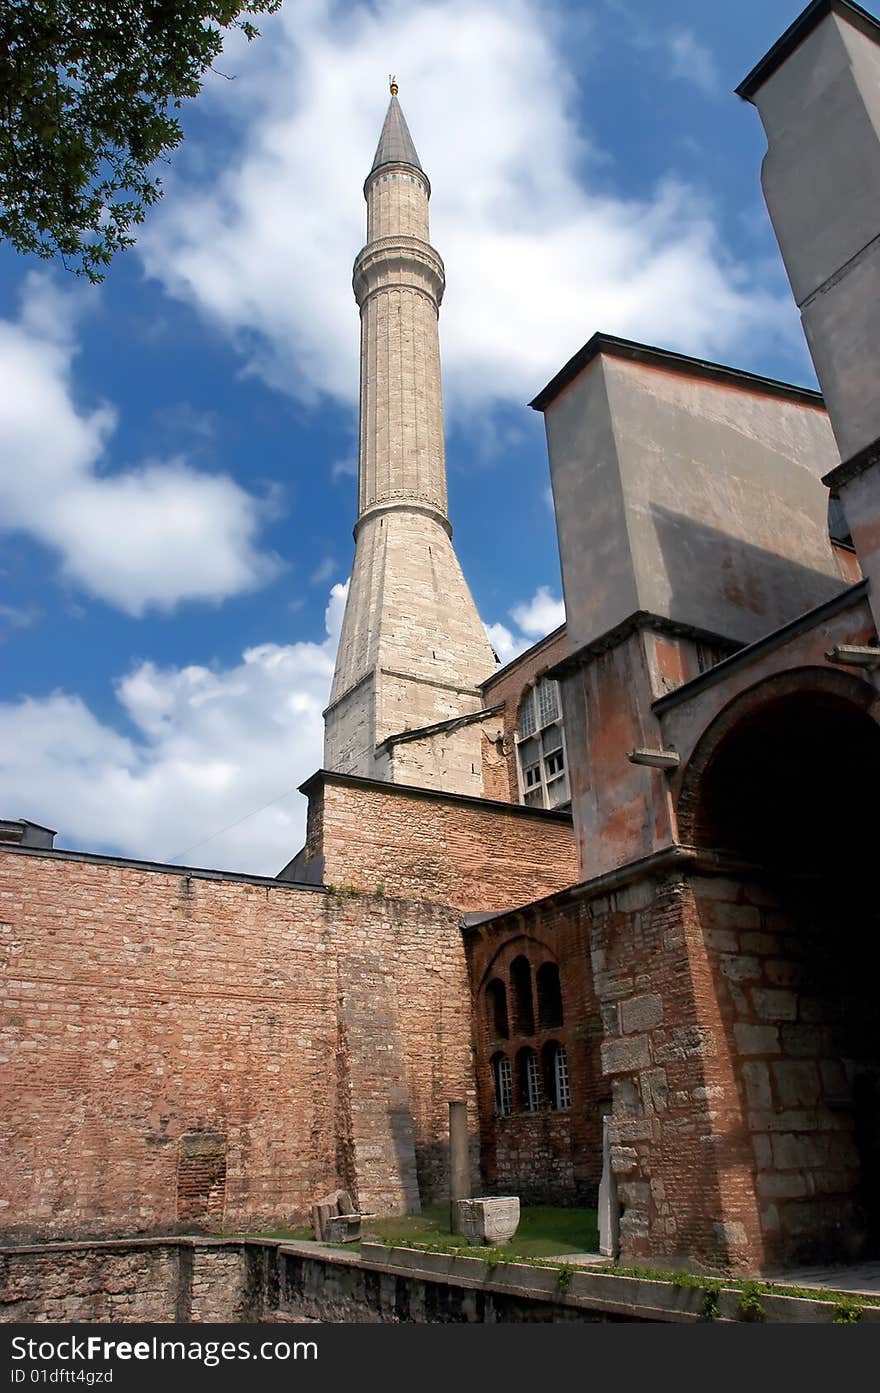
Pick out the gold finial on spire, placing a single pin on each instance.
(392, 83)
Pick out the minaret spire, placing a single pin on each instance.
(412, 650)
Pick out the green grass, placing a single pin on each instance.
(544, 1231)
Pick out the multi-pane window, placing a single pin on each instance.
(562, 1085)
(541, 747)
(556, 1080)
(533, 1083)
(530, 1089)
(503, 1085)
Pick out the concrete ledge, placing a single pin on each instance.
(276, 1279)
(634, 1298)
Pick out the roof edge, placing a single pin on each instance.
(129, 863)
(795, 34)
(437, 795)
(520, 658)
(801, 623)
(647, 354)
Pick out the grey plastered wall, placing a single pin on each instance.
(690, 499)
(597, 572)
(821, 179)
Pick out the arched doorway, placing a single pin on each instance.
(785, 785)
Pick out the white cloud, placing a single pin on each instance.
(152, 535)
(506, 644)
(209, 776)
(323, 571)
(211, 746)
(539, 615)
(692, 61)
(533, 619)
(536, 259)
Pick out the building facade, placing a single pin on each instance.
(616, 895)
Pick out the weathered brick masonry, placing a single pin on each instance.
(547, 1154)
(422, 845)
(188, 1049)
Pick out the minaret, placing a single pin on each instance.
(412, 649)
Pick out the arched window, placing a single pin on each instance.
(503, 1083)
(549, 997)
(556, 1081)
(529, 1084)
(540, 747)
(521, 989)
(496, 1009)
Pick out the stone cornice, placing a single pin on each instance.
(852, 467)
(405, 252)
(404, 503)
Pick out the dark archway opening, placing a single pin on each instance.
(549, 997)
(521, 991)
(793, 790)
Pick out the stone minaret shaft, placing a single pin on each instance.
(412, 650)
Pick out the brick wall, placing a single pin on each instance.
(176, 1050)
(421, 845)
(549, 1155)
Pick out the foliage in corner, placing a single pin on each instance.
(88, 92)
(847, 1311)
(750, 1306)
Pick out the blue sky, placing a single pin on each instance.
(178, 487)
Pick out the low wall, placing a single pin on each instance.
(204, 1281)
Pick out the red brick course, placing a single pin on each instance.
(422, 845)
(547, 1156)
(147, 1015)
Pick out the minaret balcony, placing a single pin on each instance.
(398, 261)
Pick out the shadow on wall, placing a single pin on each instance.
(791, 787)
(432, 1166)
(713, 578)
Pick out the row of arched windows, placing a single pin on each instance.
(533, 1082)
(522, 1008)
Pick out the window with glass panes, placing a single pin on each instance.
(540, 742)
(503, 1085)
(562, 1091)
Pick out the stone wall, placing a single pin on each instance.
(186, 1050)
(424, 845)
(146, 1280)
(736, 1041)
(197, 1282)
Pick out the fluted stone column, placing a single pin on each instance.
(412, 649)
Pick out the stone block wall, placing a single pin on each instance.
(737, 1038)
(799, 1013)
(185, 1051)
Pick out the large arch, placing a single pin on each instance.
(784, 785)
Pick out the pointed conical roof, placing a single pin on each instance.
(395, 143)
